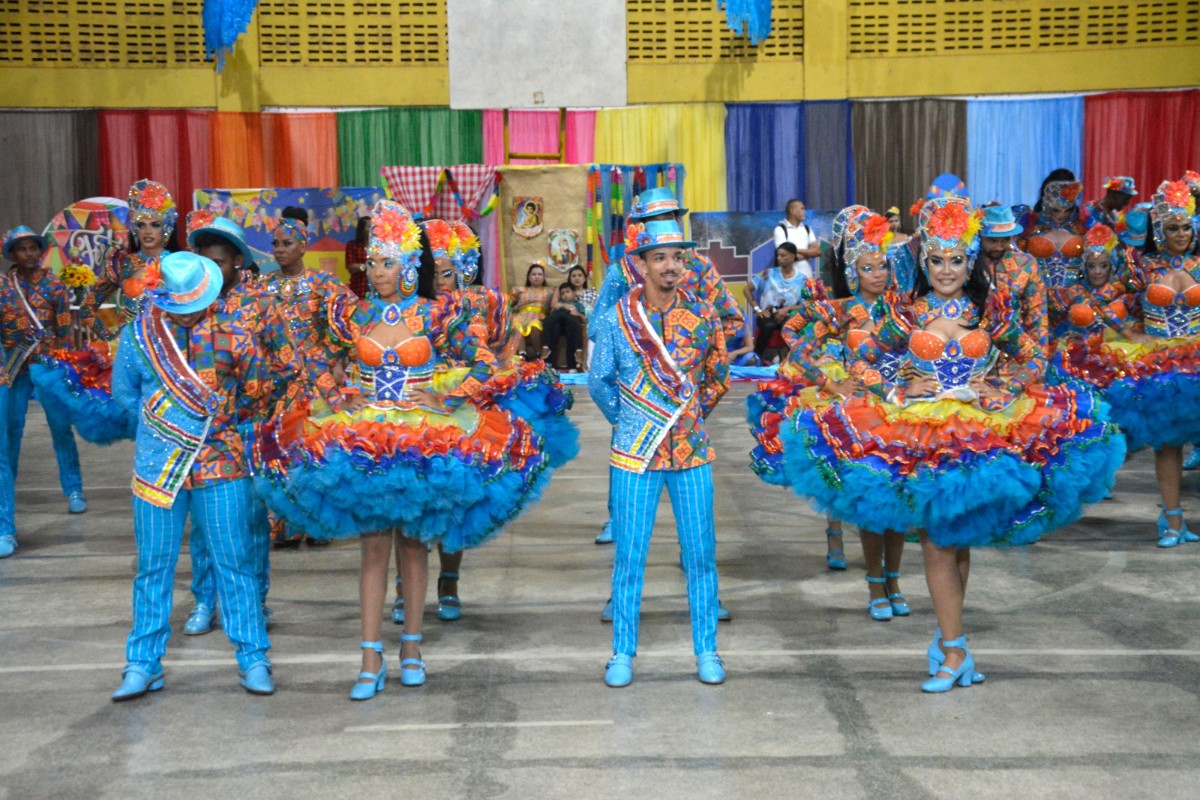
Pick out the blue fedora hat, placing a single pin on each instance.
(190, 283)
(223, 227)
(17, 234)
(660, 233)
(1000, 222)
(652, 202)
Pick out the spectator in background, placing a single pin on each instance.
(774, 295)
(356, 257)
(793, 229)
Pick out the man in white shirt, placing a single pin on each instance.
(793, 229)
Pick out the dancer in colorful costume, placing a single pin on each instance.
(1015, 271)
(1056, 241)
(829, 332)
(127, 272)
(701, 279)
(965, 447)
(222, 241)
(1149, 370)
(1109, 209)
(35, 319)
(409, 457)
(658, 370)
(8, 526)
(193, 375)
(301, 296)
(805, 366)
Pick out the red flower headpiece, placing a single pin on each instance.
(200, 218)
(1101, 237)
(440, 235)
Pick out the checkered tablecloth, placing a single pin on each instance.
(415, 188)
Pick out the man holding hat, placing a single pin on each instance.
(192, 375)
(658, 370)
(1015, 270)
(1107, 210)
(35, 313)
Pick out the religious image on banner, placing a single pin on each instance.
(332, 219)
(564, 248)
(527, 216)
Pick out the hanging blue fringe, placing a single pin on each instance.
(224, 22)
(750, 18)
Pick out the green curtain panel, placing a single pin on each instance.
(407, 137)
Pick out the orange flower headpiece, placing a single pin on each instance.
(200, 218)
(395, 235)
(1100, 239)
(151, 200)
(440, 234)
(1172, 199)
(865, 234)
(1061, 194)
(843, 219)
(950, 223)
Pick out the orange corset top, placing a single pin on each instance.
(1161, 295)
(929, 346)
(410, 353)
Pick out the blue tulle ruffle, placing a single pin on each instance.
(93, 412)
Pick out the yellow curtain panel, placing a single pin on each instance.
(691, 134)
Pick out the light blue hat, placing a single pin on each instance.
(190, 283)
(17, 234)
(201, 221)
(660, 233)
(652, 202)
(1000, 222)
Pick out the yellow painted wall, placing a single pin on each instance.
(149, 53)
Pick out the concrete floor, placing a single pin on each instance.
(1091, 643)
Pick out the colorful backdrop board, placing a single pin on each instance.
(742, 244)
(83, 232)
(332, 218)
(562, 190)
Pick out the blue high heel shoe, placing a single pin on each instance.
(1168, 537)
(946, 678)
(369, 684)
(836, 559)
(398, 606)
(937, 657)
(412, 670)
(900, 606)
(449, 606)
(880, 608)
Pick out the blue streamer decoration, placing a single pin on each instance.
(750, 18)
(224, 21)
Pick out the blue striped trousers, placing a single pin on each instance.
(204, 580)
(635, 502)
(8, 481)
(222, 511)
(70, 477)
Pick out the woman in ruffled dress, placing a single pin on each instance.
(409, 459)
(965, 445)
(1148, 369)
